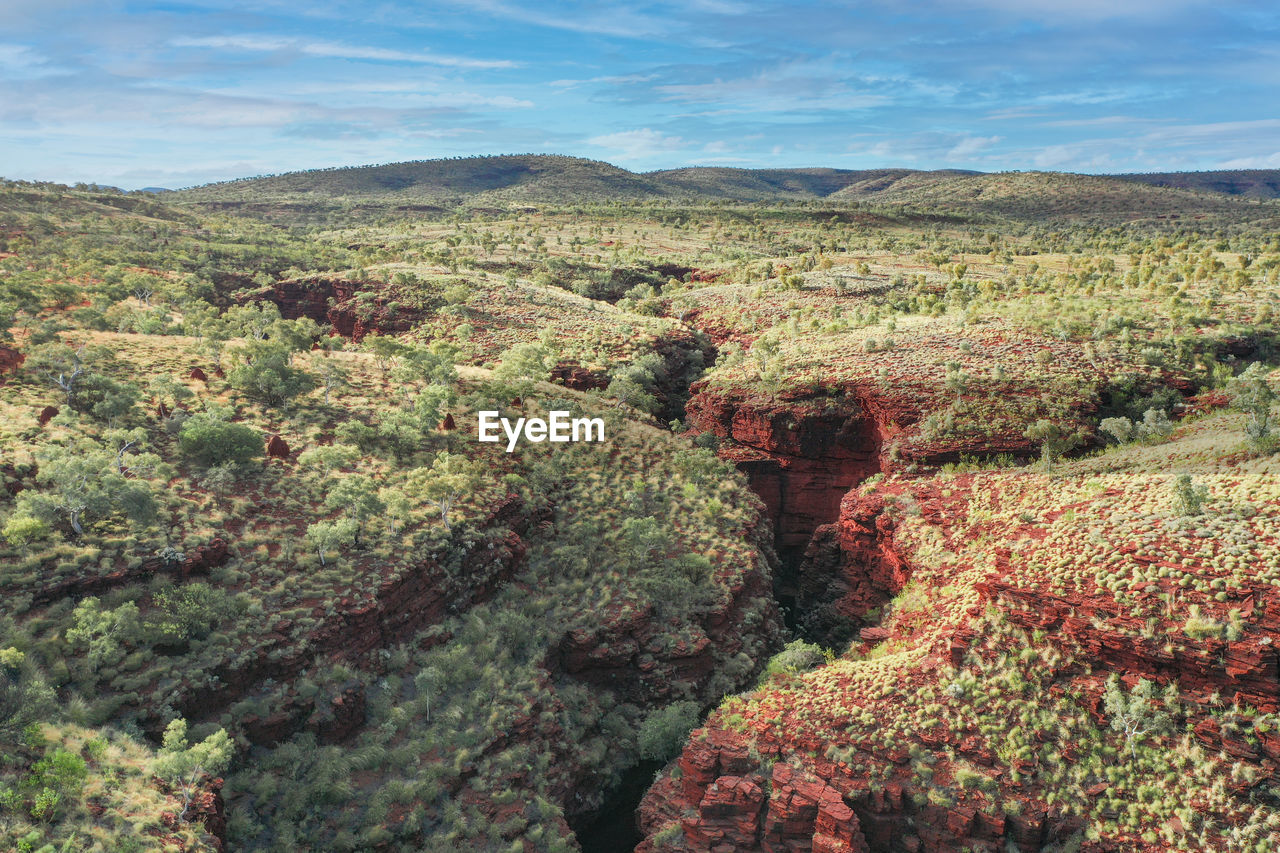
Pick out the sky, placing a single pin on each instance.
(182, 93)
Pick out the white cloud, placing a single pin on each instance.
(1094, 10)
(638, 143)
(337, 50)
(18, 61)
(608, 20)
(1265, 161)
(971, 145)
(620, 79)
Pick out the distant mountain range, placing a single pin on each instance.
(1254, 183)
(508, 179)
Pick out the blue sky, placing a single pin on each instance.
(180, 93)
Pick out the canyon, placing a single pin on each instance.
(756, 785)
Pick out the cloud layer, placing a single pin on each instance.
(173, 94)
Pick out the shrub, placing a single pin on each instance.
(1155, 425)
(21, 530)
(212, 441)
(798, 656)
(1121, 429)
(1253, 395)
(185, 613)
(1188, 498)
(664, 731)
(267, 375)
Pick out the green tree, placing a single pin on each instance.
(450, 477)
(664, 731)
(182, 613)
(1121, 428)
(636, 384)
(168, 392)
(398, 507)
(435, 365)
(210, 440)
(1136, 713)
(266, 373)
(60, 365)
(431, 403)
(333, 376)
(1188, 498)
(25, 696)
(252, 320)
(21, 530)
(1054, 439)
(383, 349)
(1252, 394)
(62, 771)
(107, 399)
(327, 536)
(81, 482)
(401, 431)
(357, 496)
(129, 446)
(183, 765)
(103, 633)
(1154, 426)
(522, 367)
(294, 335)
(143, 286)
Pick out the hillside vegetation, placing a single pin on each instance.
(1255, 183)
(937, 506)
(503, 181)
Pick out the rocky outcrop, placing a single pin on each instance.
(207, 807)
(332, 301)
(789, 812)
(728, 795)
(199, 562)
(1246, 671)
(573, 375)
(10, 361)
(400, 608)
(850, 570)
(632, 654)
(332, 721)
(801, 457)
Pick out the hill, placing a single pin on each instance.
(1254, 183)
(501, 181)
(767, 184)
(1032, 196)
(504, 178)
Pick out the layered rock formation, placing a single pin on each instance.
(400, 608)
(332, 301)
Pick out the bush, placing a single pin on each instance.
(663, 733)
(268, 375)
(798, 656)
(211, 441)
(21, 530)
(186, 613)
(1121, 429)
(1188, 498)
(1252, 394)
